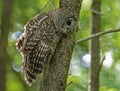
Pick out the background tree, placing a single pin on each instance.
(4, 31)
(95, 46)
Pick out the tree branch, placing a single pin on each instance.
(101, 63)
(69, 83)
(96, 35)
(100, 66)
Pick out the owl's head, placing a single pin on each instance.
(65, 21)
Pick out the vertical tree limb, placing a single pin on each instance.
(7, 8)
(55, 77)
(95, 47)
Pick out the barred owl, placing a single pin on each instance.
(40, 38)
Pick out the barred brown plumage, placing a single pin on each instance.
(40, 38)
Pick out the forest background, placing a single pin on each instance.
(24, 10)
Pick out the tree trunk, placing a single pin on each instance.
(95, 46)
(7, 7)
(55, 77)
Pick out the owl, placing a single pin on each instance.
(40, 38)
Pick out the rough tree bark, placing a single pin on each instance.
(95, 47)
(7, 8)
(55, 77)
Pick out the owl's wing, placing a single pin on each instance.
(34, 46)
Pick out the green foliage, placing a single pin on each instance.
(13, 83)
(76, 84)
(24, 10)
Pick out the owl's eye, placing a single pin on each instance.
(69, 25)
(68, 22)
